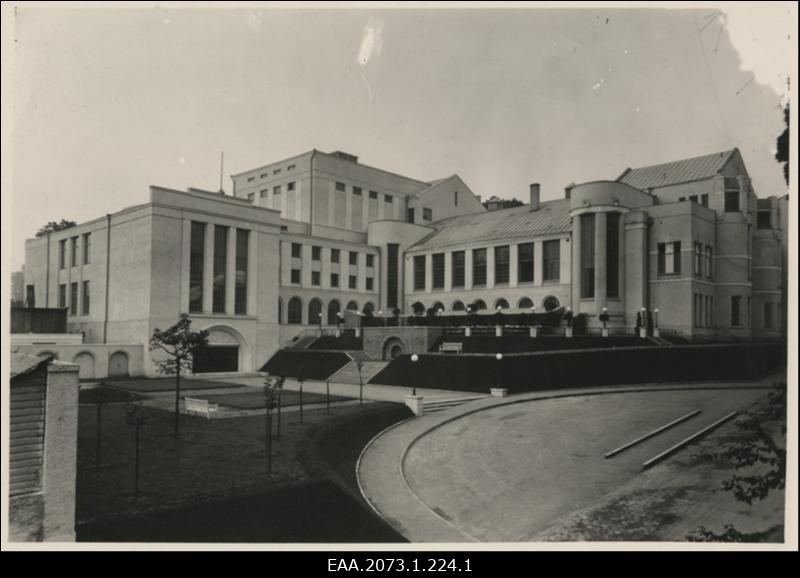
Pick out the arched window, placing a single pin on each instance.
(478, 305)
(295, 312)
(369, 310)
(333, 312)
(352, 306)
(525, 303)
(550, 303)
(280, 310)
(458, 306)
(501, 303)
(418, 308)
(314, 311)
(438, 307)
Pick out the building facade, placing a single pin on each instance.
(306, 240)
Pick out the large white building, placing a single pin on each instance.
(307, 238)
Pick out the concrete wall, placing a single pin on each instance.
(441, 200)
(411, 339)
(94, 356)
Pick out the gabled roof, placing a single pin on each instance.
(517, 222)
(684, 171)
(22, 363)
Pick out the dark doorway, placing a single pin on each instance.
(216, 358)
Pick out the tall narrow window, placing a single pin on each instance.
(294, 313)
(731, 201)
(587, 256)
(87, 244)
(669, 258)
(457, 265)
(316, 253)
(612, 255)
(419, 273)
(30, 296)
(353, 258)
(242, 247)
(392, 261)
(551, 257)
(479, 267)
(501, 265)
(85, 299)
(196, 263)
(297, 251)
(438, 271)
(73, 298)
(334, 255)
(62, 295)
(709, 253)
(525, 263)
(62, 253)
(698, 259)
(73, 251)
(736, 304)
(220, 266)
(455, 198)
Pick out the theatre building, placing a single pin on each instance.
(321, 237)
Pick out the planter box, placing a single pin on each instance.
(498, 392)
(414, 403)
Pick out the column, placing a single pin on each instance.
(208, 270)
(230, 273)
(576, 263)
(428, 273)
(252, 276)
(600, 261)
(467, 269)
(513, 265)
(489, 270)
(621, 260)
(538, 264)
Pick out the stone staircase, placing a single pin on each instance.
(349, 373)
(302, 343)
(433, 405)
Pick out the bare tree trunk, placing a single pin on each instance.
(177, 393)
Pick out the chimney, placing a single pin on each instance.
(534, 197)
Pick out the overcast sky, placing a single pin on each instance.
(109, 101)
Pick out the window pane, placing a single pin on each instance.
(242, 238)
(551, 255)
(438, 271)
(419, 273)
(458, 268)
(196, 263)
(501, 264)
(525, 262)
(479, 267)
(587, 256)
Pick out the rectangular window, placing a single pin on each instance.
(220, 268)
(708, 311)
(85, 298)
(457, 265)
(698, 259)
(340, 186)
(276, 172)
(709, 258)
(87, 245)
(427, 214)
(763, 220)
(370, 260)
(30, 296)
(438, 271)
(501, 265)
(370, 283)
(264, 193)
(455, 198)
(315, 278)
(334, 255)
(353, 282)
(410, 215)
(419, 273)
(681, 199)
(276, 190)
(768, 322)
(612, 255)
(251, 196)
(334, 280)
(736, 304)
(525, 262)
(316, 253)
(693, 198)
(290, 186)
(551, 257)
(196, 264)
(731, 201)
(250, 179)
(296, 276)
(669, 258)
(297, 251)
(290, 167)
(353, 258)
(587, 256)
(357, 191)
(264, 175)
(62, 295)
(388, 199)
(62, 253)
(479, 267)
(73, 298)
(373, 195)
(242, 248)
(392, 274)
(704, 200)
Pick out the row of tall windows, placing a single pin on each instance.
(197, 248)
(84, 298)
(73, 251)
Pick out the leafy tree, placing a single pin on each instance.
(782, 146)
(134, 416)
(54, 226)
(506, 203)
(179, 343)
(755, 446)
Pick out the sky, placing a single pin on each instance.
(105, 102)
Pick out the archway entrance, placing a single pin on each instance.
(221, 355)
(85, 361)
(118, 365)
(393, 348)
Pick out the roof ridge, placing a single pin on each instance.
(723, 155)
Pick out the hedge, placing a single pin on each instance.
(306, 364)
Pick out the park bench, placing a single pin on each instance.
(202, 407)
(454, 347)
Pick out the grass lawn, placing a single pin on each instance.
(211, 484)
(110, 395)
(255, 399)
(167, 384)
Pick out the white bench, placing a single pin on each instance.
(195, 406)
(454, 347)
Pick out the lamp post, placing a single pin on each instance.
(499, 358)
(643, 323)
(467, 328)
(338, 324)
(498, 328)
(656, 332)
(604, 319)
(533, 331)
(414, 360)
(383, 321)
(320, 323)
(568, 316)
